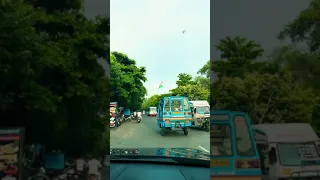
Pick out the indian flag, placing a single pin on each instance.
(161, 84)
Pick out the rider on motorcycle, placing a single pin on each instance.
(94, 166)
(127, 113)
(139, 114)
(135, 115)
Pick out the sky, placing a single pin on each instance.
(150, 32)
(94, 8)
(257, 20)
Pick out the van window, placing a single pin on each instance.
(160, 105)
(203, 110)
(243, 139)
(176, 105)
(185, 104)
(167, 105)
(220, 140)
(294, 154)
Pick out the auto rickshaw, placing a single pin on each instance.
(174, 113)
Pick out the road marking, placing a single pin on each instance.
(204, 149)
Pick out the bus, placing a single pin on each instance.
(152, 111)
(234, 153)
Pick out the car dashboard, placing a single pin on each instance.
(156, 171)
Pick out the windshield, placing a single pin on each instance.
(150, 77)
(298, 154)
(203, 110)
(176, 105)
(243, 140)
(220, 140)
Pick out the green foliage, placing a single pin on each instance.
(237, 56)
(197, 88)
(127, 81)
(205, 70)
(52, 83)
(281, 88)
(153, 101)
(268, 98)
(306, 27)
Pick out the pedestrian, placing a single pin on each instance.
(80, 163)
(94, 166)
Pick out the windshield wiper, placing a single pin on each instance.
(164, 159)
(143, 158)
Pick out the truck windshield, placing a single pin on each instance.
(298, 154)
(220, 140)
(203, 110)
(176, 105)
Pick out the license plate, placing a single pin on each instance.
(219, 163)
(178, 125)
(177, 112)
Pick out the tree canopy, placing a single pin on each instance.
(52, 83)
(195, 88)
(282, 87)
(127, 81)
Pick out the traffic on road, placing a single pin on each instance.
(147, 134)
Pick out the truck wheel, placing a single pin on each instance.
(207, 127)
(185, 131)
(162, 132)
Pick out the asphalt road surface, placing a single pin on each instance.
(147, 134)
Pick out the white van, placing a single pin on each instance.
(293, 150)
(200, 114)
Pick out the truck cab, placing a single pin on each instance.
(292, 151)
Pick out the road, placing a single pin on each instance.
(147, 134)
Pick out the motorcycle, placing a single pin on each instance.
(128, 118)
(112, 122)
(139, 118)
(92, 177)
(121, 119)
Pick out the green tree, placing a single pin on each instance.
(197, 88)
(237, 55)
(205, 70)
(194, 89)
(267, 98)
(304, 65)
(59, 5)
(127, 81)
(51, 77)
(306, 27)
(184, 79)
(153, 101)
(305, 69)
